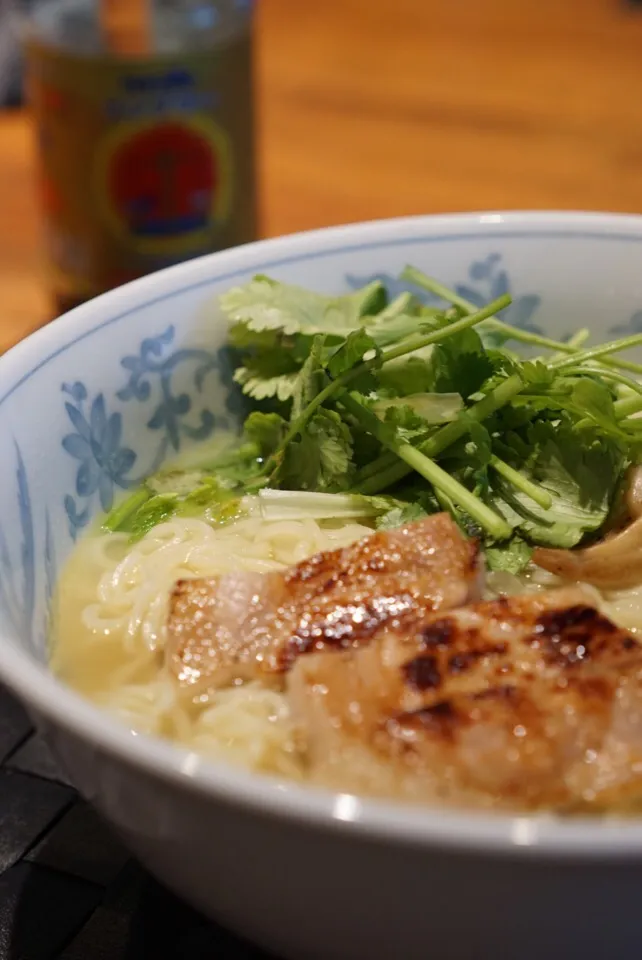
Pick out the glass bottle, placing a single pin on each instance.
(145, 135)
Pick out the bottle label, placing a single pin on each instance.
(142, 162)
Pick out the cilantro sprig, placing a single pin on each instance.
(388, 411)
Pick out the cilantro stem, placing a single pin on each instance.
(492, 522)
(383, 462)
(498, 397)
(627, 406)
(495, 525)
(396, 307)
(633, 426)
(577, 340)
(336, 386)
(606, 375)
(520, 482)
(391, 471)
(412, 275)
(601, 350)
(443, 333)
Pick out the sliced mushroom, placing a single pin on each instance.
(614, 563)
(633, 495)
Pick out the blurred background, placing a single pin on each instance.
(381, 108)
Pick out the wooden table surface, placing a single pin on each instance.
(376, 108)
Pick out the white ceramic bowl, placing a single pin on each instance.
(97, 399)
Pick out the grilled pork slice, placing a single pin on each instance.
(244, 625)
(529, 702)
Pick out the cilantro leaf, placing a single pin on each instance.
(460, 364)
(399, 515)
(408, 375)
(352, 351)
(583, 397)
(579, 470)
(403, 421)
(513, 556)
(309, 380)
(280, 386)
(535, 373)
(596, 401)
(431, 407)
(274, 325)
(266, 430)
(322, 458)
(264, 304)
(242, 337)
(388, 331)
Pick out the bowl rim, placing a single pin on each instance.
(502, 834)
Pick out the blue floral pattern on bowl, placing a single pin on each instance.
(105, 462)
(17, 593)
(96, 444)
(18, 579)
(631, 327)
